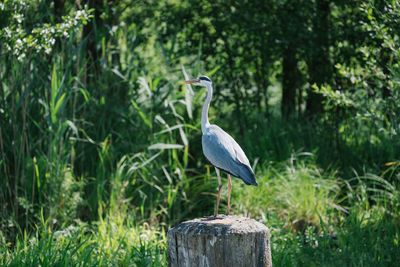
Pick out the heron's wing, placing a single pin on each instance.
(223, 151)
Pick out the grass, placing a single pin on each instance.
(298, 191)
(356, 241)
(106, 243)
(311, 225)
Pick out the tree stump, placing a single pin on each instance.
(224, 241)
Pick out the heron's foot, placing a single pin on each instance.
(227, 213)
(209, 218)
(213, 217)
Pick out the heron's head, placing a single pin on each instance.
(201, 81)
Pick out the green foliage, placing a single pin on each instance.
(357, 241)
(299, 192)
(20, 40)
(100, 143)
(367, 235)
(109, 243)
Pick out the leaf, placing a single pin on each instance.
(165, 146)
(161, 120)
(73, 127)
(36, 172)
(166, 174)
(54, 85)
(85, 95)
(119, 74)
(169, 129)
(144, 85)
(155, 82)
(188, 95)
(213, 71)
(141, 114)
(186, 156)
(150, 160)
(183, 136)
(171, 105)
(57, 107)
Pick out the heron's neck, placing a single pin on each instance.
(204, 114)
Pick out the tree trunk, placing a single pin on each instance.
(320, 68)
(225, 241)
(90, 32)
(58, 9)
(290, 75)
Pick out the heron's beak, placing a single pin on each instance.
(191, 81)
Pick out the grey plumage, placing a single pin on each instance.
(222, 151)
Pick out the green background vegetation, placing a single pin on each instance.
(100, 142)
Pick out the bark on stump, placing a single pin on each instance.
(225, 241)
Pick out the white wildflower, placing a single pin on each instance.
(21, 56)
(8, 32)
(18, 17)
(20, 30)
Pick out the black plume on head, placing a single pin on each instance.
(204, 78)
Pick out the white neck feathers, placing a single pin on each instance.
(204, 114)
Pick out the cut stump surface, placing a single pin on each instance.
(224, 241)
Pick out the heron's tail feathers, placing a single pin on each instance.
(247, 175)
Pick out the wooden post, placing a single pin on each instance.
(225, 241)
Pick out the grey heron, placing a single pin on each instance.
(220, 149)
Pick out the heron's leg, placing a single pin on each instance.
(219, 191)
(229, 193)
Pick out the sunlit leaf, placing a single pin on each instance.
(73, 127)
(144, 85)
(141, 114)
(60, 101)
(183, 136)
(188, 94)
(165, 146)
